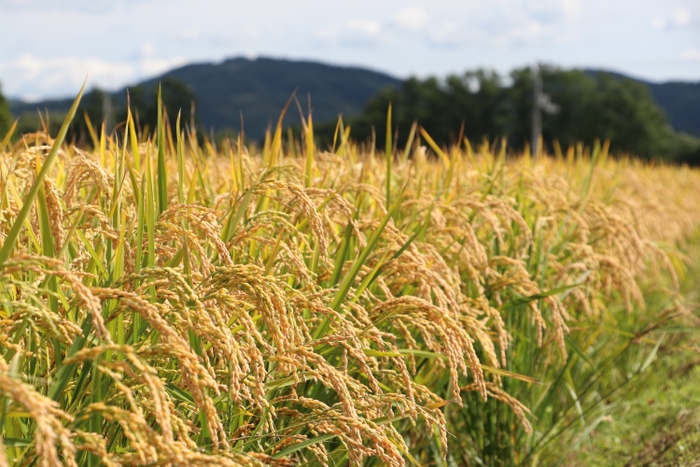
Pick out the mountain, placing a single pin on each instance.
(258, 89)
(679, 99)
(58, 106)
(681, 102)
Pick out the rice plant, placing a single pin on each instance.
(170, 303)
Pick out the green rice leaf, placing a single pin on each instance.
(12, 235)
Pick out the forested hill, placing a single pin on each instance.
(681, 102)
(258, 89)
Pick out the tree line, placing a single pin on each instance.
(482, 104)
(98, 107)
(5, 116)
(475, 105)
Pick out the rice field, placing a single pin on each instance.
(172, 303)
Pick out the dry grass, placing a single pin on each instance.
(171, 304)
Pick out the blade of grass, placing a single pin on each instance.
(162, 168)
(12, 235)
(8, 136)
(389, 155)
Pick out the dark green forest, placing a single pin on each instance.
(644, 119)
(681, 102)
(5, 116)
(479, 104)
(97, 107)
(249, 93)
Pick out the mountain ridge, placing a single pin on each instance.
(259, 88)
(679, 99)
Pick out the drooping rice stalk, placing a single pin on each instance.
(164, 303)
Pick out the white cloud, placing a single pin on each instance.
(401, 37)
(191, 34)
(412, 18)
(676, 18)
(251, 31)
(680, 17)
(148, 49)
(549, 11)
(328, 33)
(80, 6)
(449, 35)
(690, 55)
(572, 8)
(154, 66)
(353, 33)
(514, 25)
(365, 27)
(527, 32)
(29, 75)
(658, 23)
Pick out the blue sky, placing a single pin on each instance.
(48, 46)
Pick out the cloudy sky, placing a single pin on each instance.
(48, 46)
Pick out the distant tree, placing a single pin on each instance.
(685, 148)
(32, 122)
(176, 96)
(602, 106)
(479, 105)
(95, 106)
(5, 116)
(692, 157)
(474, 105)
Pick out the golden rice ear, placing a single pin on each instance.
(52, 440)
(282, 312)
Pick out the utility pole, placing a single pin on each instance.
(540, 102)
(107, 111)
(536, 110)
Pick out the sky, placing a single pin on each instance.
(48, 47)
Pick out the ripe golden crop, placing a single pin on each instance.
(174, 304)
